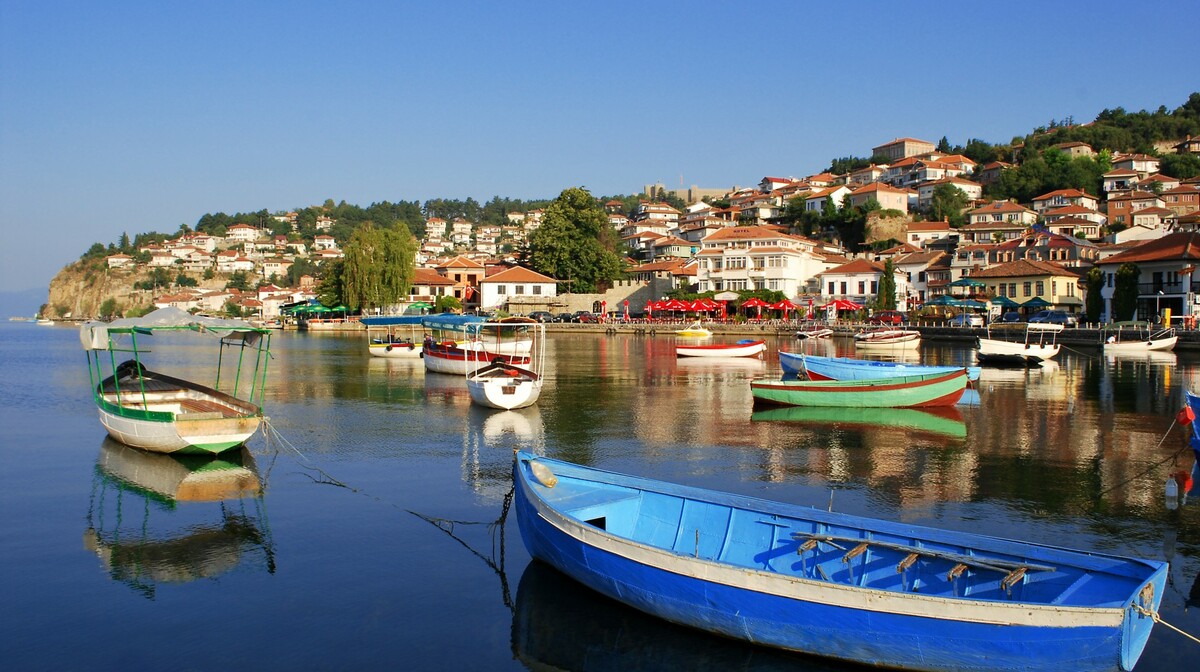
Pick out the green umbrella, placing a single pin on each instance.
(967, 282)
(1005, 302)
(1036, 302)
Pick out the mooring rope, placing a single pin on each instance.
(1152, 467)
(1159, 619)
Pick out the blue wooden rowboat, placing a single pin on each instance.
(915, 391)
(848, 368)
(846, 587)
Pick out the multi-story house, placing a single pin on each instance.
(661, 213)
(324, 223)
(1120, 180)
(1121, 207)
(755, 257)
(466, 276)
(1167, 269)
(324, 242)
(973, 190)
(990, 172)
(858, 281)
(1025, 280)
(916, 270)
(1064, 197)
(1182, 200)
(889, 198)
(1002, 211)
(834, 196)
(919, 233)
(1142, 164)
(518, 290)
(1043, 246)
(867, 175)
(968, 259)
(243, 233)
(901, 148)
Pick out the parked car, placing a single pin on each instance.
(585, 317)
(563, 317)
(1010, 317)
(542, 316)
(966, 320)
(1056, 317)
(888, 317)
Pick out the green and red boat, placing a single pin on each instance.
(915, 391)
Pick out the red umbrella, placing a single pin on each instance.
(675, 304)
(843, 304)
(783, 305)
(754, 302)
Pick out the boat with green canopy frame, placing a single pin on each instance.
(165, 414)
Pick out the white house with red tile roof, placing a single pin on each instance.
(119, 260)
(1167, 279)
(773, 183)
(742, 258)
(1143, 164)
(1064, 197)
(889, 198)
(833, 195)
(920, 233)
(915, 266)
(242, 233)
(324, 223)
(1120, 179)
(866, 175)
(988, 231)
(990, 172)
(1074, 226)
(1002, 211)
(973, 190)
(1077, 211)
(1163, 183)
(276, 266)
(858, 281)
(516, 285)
(162, 258)
(1159, 219)
(324, 242)
(670, 247)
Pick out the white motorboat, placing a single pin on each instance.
(1019, 343)
(503, 384)
(743, 348)
(1124, 342)
(887, 340)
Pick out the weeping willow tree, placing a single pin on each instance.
(379, 266)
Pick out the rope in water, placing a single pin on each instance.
(1152, 467)
(1158, 619)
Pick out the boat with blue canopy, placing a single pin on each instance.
(848, 368)
(395, 336)
(857, 589)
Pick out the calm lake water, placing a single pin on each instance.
(374, 544)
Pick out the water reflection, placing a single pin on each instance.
(559, 624)
(894, 421)
(489, 441)
(144, 537)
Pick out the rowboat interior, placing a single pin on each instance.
(811, 546)
(137, 388)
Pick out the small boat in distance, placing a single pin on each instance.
(887, 340)
(913, 391)
(847, 368)
(505, 385)
(156, 412)
(694, 330)
(847, 587)
(743, 348)
(395, 336)
(813, 330)
(1121, 341)
(1021, 344)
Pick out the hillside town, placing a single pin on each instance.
(736, 240)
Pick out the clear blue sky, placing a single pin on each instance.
(138, 116)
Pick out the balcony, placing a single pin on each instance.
(1153, 288)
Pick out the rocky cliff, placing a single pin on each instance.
(78, 291)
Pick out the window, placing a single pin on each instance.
(874, 286)
(1012, 290)
(502, 289)
(759, 284)
(1041, 288)
(1053, 288)
(775, 284)
(520, 289)
(1003, 289)
(843, 288)
(862, 286)
(831, 287)
(1028, 289)
(737, 263)
(537, 289)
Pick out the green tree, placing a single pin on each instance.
(110, 309)
(379, 266)
(329, 287)
(575, 244)
(447, 303)
(948, 203)
(944, 145)
(885, 299)
(185, 280)
(239, 281)
(1094, 304)
(1125, 293)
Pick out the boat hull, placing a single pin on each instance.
(754, 349)
(1141, 347)
(460, 362)
(774, 608)
(887, 341)
(991, 349)
(210, 435)
(844, 368)
(397, 350)
(504, 395)
(897, 392)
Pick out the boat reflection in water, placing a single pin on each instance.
(143, 536)
(947, 421)
(560, 624)
(489, 441)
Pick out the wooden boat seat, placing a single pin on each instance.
(1013, 571)
(196, 407)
